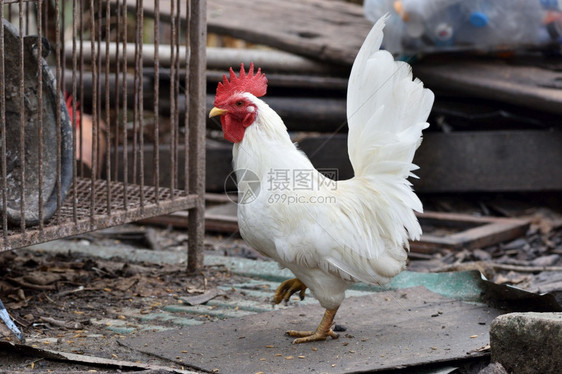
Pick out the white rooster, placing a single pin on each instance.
(331, 234)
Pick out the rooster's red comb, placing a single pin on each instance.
(256, 84)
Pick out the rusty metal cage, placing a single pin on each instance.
(101, 116)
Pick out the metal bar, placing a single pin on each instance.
(197, 93)
(164, 54)
(107, 107)
(74, 95)
(102, 219)
(114, 90)
(62, 41)
(117, 73)
(176, 78)
(97, 203)
(27, 19)
(22, 119)
(40, 118)
(173, 100)
(140, 25)
(3, 133)
(58, 77)
(45, 16)
(124, 123)
(136, 97)
(94, 109)
(80, 125)
(156, 155)
(96, 154)
(187, 84)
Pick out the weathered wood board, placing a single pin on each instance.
(469, 232)
(471, 161)
(323, 30)
(527, 83)
(327, 30)
(385, 331)
(490, 161)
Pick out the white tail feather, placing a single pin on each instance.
(386, 110)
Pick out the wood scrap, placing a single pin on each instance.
(85, 359)
(485, 266)
(20, 281)
(64, 324)
(202, 298)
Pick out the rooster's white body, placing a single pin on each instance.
(332, 234)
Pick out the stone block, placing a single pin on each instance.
(527, 342)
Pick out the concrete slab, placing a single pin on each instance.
(385, 330)
(528, 342)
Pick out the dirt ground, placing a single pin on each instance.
(61, 300)
(55, 298)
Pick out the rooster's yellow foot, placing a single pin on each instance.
(322, 332)
(311, 336)
(287, 289)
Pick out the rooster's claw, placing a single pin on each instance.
(311, 336)
(287, 289)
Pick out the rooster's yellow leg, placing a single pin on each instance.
(287, 289)
(322, 332)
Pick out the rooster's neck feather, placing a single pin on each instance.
(266, 144)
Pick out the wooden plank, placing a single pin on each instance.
(478, 161)
(328, 30)
(492, 233)
(311, 114)
(473, 232)
(485, 161)
(221, 223)
(478, 232)
(524, 83)
(320, 29)
(475, 161)
(194, 167)
(213, 222)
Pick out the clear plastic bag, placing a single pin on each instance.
(450, 25)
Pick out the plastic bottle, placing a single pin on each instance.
(551, 4)
(501, 23)
(416, 15)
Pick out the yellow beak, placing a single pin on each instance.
(217, 112)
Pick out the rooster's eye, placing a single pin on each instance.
(239, 103)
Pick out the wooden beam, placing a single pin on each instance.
(194, 168)
(490, 161)
(470, 232)
(326, 115)
(322, 30)
(522, 83)
(479, 161)
(471, 161)
(326, 30)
